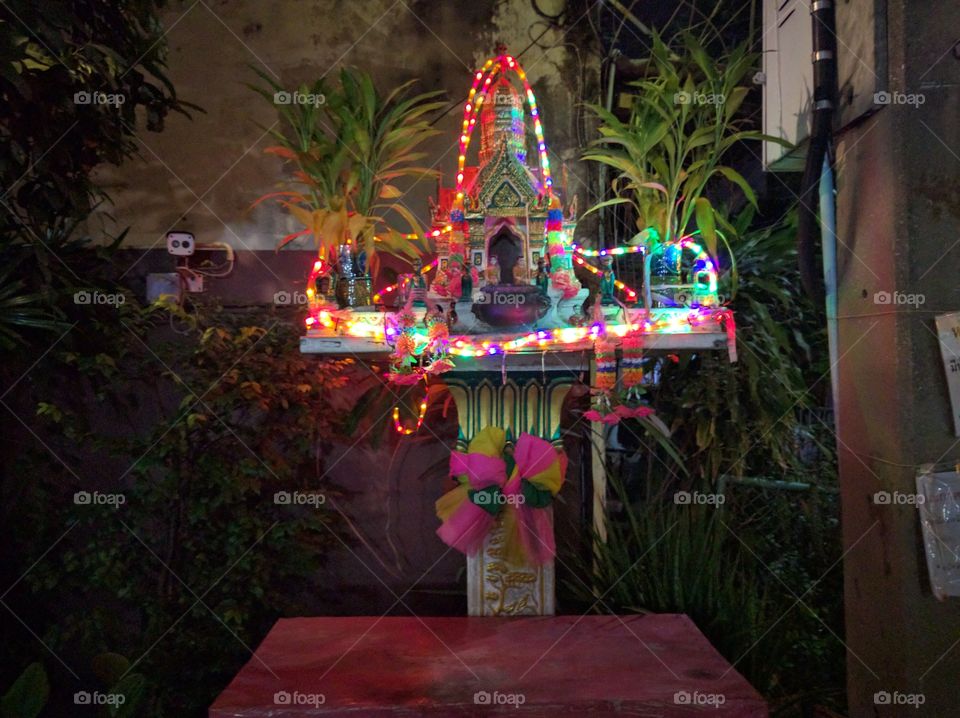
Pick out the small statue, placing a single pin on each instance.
(452, 316)
(493, 271)
(520, 272)
(466, 285)
(454, 279)
(608, 281)
(419, 289)
(543, 275)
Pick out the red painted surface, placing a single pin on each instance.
(560, 665)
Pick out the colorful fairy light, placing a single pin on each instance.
(378, 297)
(479, 92)
(702, 262)
(405, 430)
(631, 294)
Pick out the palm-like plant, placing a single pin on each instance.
(683, 121)
(349, 145)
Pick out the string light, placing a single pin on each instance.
(631, 294)
(614, 252)
(405, 430)
(320, 268)
(702, 262)
(393, 287)
(481, 83)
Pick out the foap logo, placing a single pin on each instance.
(290, 299)
(899, 98)
(96, 698)
(86, 297)
(898, 498)
(281, 97)
(98, 98)
(95, 498)
(697, 498)
(296, 698)
(696, 698)
(886, 698)
(698, 98)
(299, 498)
(511, 298)
(899, 299)
(497, 498)
(496, 698)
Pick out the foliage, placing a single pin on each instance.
(348, 149)
(743, 418)
(738, 579)
(200, 557)
(684, 119)
(63, 68)
(39, 284)
(664, 558)
(28, 694)
(57, 62)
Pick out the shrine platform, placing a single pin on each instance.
(653, 665)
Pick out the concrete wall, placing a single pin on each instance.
(899, 214)
(203, 175)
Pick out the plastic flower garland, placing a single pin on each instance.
(485, 494)
(435, 357)
(610, 406)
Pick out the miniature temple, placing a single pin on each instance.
(501, 319)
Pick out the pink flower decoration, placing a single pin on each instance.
(439, 366)
(403, 379)
(636, 413)
(594, 415)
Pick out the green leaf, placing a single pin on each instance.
(705, 223)
(733, 176)
(28, 695)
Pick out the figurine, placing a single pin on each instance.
(466, 284)
(452, 316)
(493, 271)
(520, 272)
(454, 279)
(419, 289)
(543, 275)
(608, 281)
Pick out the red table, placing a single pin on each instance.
(655, 665)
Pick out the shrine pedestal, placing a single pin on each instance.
(496, 587)
(530, 400)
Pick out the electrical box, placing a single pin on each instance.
(193, 282)
(788, 72)
(787, 81)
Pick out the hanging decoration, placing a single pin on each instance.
(497, 484)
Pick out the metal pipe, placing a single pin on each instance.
(824, 103)
(828, 239)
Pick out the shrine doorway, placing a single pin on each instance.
(507, 247)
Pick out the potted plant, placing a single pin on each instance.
(683, 121)
(348, 146)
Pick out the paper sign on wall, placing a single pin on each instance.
(948, 329)
(939, 506)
